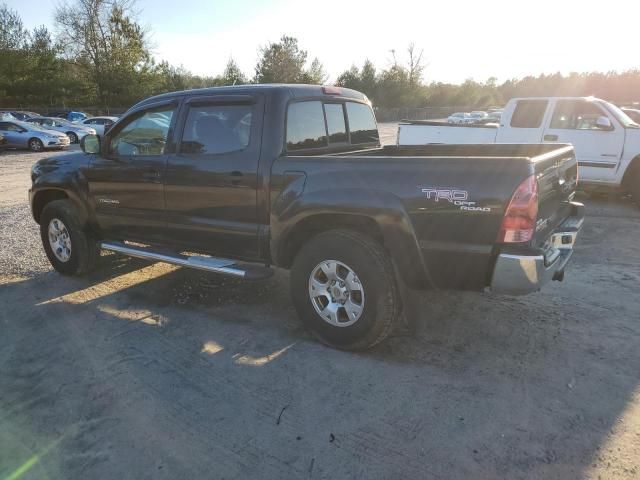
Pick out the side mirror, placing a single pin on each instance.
(603, 123)
(90, 144)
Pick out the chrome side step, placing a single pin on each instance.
(209, 264)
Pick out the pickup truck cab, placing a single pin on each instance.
(249, 177)
(605, 139)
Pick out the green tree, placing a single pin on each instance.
(281, 62)
(232, 74)
(315, 74)
(103, 36)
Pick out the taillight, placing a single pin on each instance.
(519, 221)
(331, 90)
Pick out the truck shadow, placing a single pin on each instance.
(520, 387)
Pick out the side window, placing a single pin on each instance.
(305, 126)
(10, 127)
(335, 122)
(529, 113)
(145, 134)
(362, 123)
(576, 115)
(216, 129)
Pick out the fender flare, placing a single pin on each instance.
(386, 210)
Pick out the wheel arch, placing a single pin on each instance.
(41, 198)
(381, 218)
(632, 168)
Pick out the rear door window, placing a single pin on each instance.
(529, 113)
(305, 126)
(362, 123)
(335, 122)
(216, 129)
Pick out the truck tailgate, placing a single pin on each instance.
(557, 176)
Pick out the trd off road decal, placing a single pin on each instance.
(459, 198)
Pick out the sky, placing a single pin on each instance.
(461, 39)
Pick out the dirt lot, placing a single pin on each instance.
(145, 371)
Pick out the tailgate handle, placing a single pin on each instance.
(551, 138)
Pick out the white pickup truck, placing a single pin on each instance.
(605, 139)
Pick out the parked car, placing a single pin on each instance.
(495, 116)
(459, 118)
(605, 139)
(633, 114)
(3, 142)
(477, 117)
(74, 131)
(74, 117)
(100, 124)
(19, 114)
(305, 185)
(28, 135)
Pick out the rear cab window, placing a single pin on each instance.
(529, 113)
(313, 124)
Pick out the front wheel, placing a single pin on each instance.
(69, 248)
(73, 138)
(344, 289)
(36, 145)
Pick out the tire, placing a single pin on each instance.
(632, 183)
(36, 145)
(374, 301)
(76, 253)
(73, 138)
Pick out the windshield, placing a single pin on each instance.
(622, 117)
(64, 122)
(32, 126)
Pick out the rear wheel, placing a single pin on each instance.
(69, 248)
(344, 289)
(73, 138)
(36, 145)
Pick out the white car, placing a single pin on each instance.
(477, 116)
(459, 118)
(100, 124)
(606, 141)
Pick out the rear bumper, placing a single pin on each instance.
(523, 274)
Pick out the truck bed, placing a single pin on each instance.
(457, 240)
(425, 132)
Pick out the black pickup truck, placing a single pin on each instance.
(248, 177)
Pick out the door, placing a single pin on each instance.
(15, 135)
(598, 147)
(126, 181)
(211, 182)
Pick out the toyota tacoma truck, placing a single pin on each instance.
(606, 140)
(237, 180)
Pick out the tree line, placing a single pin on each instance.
(101, 56)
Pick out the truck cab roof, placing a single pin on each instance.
(290, 90)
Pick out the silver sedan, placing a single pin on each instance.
(100, 124)
(74, 131)
(27, 135)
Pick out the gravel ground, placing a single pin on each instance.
(150, 371)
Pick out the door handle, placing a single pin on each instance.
(235, 177)
(550, 138)
(153, 175)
